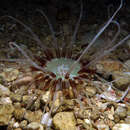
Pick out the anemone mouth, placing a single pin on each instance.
(60, 67)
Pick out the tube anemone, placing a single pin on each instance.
(59, 69)
(59, 66)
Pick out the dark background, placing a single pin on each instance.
(53, 7)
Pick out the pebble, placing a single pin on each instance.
(19, 113)
(64, 121)
(4, 91)
(87, 121)
(18, 129)
(10, 74)
(116, 118)
(121, 111)
(107, 67)
(121, 127)
(80, 113)
(88, 124)
(23, 124)
(5, 100)
(33, 116)
(122, 79)
(6, 111)
(45, 97)
(16, 125)
(26, 99)
(11, 123)
(101, 125)
(95, 115)
(90, 91)
(15, 97)
(117, 70)
(110, 113)
(34, 126)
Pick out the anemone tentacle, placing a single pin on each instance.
(110, 44)
(54, 43)
(97, 36)
(76, 28)
(108, 51)
(35, 37)
(27, 57)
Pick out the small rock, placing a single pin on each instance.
(80, 113)
(16, 125)
(121, 127)
(102, 105)
(117, 70)
(87, 121)
(11, 123)
(122, 79)
(23, 80)
(64, 121)
(67, 104)
(23, 124)
(17, 129)
(10, 74)
(95, 115)
(79, 121)
(4, 91)
(33, 116)
(34, 126)
(116, 118)
(5, 100)
(31, 102)
(90, 91)
(110, 113)
(107, 67)
(88, 124)
(19, 113)
(6, 111)
(45, 97)
(121, 111)
(26, 99)
(15, 97)
(100, 124)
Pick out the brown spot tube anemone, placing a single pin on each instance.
(60, 69)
